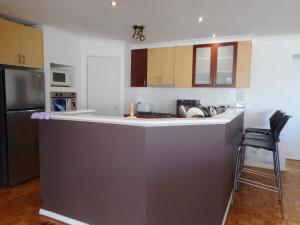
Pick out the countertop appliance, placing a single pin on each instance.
(61, 78)
(144, 107)
(183, 106)
(21, 94)
(63, 101)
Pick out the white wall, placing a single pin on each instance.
(61, 47)
(275, 85)
(274, 82)
(102, 48)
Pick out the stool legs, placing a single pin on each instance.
(237, 167)
(240, 158)
(278, 175)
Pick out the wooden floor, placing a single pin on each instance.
(20, 205)
(254, 206)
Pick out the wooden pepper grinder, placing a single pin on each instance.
(132, 109)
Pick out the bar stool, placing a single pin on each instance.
(273, 119)
(269, 144)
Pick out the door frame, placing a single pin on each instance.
(118, 77)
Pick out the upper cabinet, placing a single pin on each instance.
(207, 65)
(20, 45)
(183, 66)
(202, 65)
(160, 65)
(31, 47)
(243, 64)
(215, 65)
(222, 65)
(139, 67)
(9, 43)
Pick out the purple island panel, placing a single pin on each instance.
(108, 174)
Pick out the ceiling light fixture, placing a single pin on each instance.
(213, 35)
(114, 3)
(138, 32)
(200, 19)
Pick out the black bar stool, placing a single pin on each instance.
(273, 119)
(270, 143)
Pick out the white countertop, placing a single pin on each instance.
(86, 116)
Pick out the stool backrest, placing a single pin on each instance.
(279, 127)
(275, 118)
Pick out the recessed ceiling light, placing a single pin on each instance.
(200, 19)
(114, 3)
(213, 35)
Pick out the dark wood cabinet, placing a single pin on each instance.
(139, 67)
(214, 65)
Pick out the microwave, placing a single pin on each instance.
(61, 78)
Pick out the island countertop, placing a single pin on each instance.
(222, 118)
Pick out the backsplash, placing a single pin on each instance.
(164, 99)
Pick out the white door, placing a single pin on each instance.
(103, 85)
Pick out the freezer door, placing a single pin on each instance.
(22, 146)
(24, 89)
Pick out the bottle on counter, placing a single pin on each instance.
(132, 109)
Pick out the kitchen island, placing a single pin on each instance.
(123, 171)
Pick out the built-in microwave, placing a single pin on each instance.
(62, 78)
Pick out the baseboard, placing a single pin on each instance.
(60, 217)
(227, 209)
(76, 222)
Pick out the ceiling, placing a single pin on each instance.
(165, 20)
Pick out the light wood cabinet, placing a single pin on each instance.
(31, 47)
(9, 43)
(160, 65)
(20, 45)
(243, 67)
(153, 66)
(167, 65)
(183, 66)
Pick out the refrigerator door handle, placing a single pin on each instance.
(26, 110)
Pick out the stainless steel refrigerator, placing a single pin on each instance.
(21, 94)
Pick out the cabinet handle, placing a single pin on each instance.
(19, 57)
(23, 57)
(144, 82)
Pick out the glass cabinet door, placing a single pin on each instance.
(225, 71)
(202, 65)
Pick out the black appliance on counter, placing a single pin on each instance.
(21, 94)
(187, 104)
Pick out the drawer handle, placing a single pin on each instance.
(23, 57)
(19, 58)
